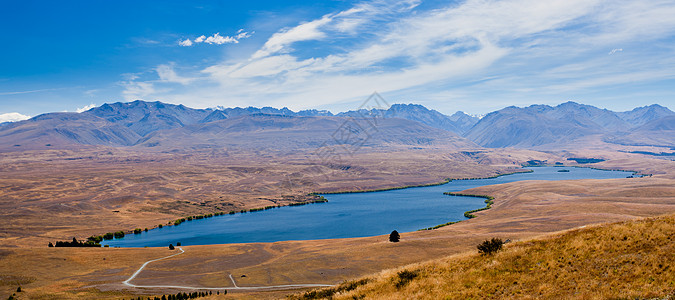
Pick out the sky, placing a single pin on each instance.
(475, 56)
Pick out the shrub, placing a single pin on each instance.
(171, 247)
(394, 237)
(178, 244)
(405, 276)
(329, 292)
(489, 247)
(95, 239)
(108, 236)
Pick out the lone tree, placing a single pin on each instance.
(394, 237)
(171, 247)
(489, 247)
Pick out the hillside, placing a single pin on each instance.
(642, 115)
(279, 132)
(458, 123)
(151, 124)
(660, 132)
(64, 130)
(557, 126)
(632, 259)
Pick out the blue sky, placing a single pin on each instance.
(475, 56)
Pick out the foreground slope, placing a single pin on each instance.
(632, 259)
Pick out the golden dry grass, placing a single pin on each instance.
(631, 259)
(521, 211)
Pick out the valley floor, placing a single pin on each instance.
(522, 211)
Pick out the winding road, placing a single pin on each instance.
(236, 287)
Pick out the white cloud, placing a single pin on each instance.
(303, 32)
(477, 48)
(219, 40)
(216, 38)
(13, 117)
(85, 108)
(134, 90)
(241, 34)
(615, 51)
(166, 73)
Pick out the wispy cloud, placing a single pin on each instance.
(615, 51)
(398, 49)
(29, 91)
(166, 73)
(216, 38)
(13, 117)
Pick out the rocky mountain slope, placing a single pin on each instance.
(539, 125)
(150, 124)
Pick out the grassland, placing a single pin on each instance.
(625, 260)
(55, 196)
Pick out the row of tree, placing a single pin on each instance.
(183, 296)
(74, 243)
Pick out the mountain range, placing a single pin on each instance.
(159, 125)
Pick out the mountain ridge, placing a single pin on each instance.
(128, 124)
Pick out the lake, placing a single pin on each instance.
(346, 215)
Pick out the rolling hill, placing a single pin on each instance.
(631, 259)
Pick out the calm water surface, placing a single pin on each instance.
(346, 215)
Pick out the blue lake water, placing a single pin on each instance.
(346, 215)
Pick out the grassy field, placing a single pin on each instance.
(625, 260)
(521, 211)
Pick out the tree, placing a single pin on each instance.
(394, 237)
(18, 290)
(50, 244)
(178, 244)
(171, 247)
(489, 247)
